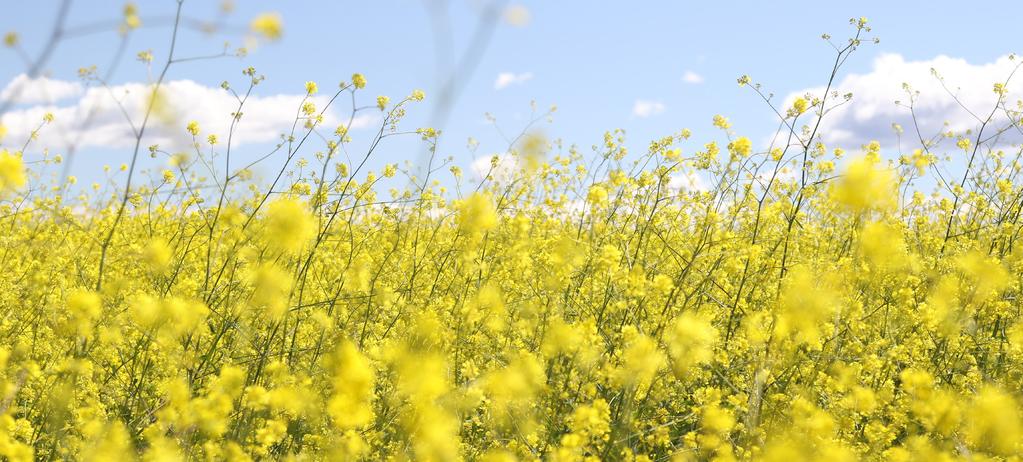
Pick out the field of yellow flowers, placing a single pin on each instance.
(811, 304)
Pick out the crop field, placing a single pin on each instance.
(810, 303)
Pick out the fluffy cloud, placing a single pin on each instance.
(25, 90)
(506, 79)
(692, 77)
(873, 109)
(688, 181)
(643, 108)
(502, 171)
(97, 118)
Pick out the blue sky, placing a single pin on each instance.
(594, 60)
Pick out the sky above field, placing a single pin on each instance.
(651, 68)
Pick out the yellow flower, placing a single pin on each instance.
(740, 148)
(597, 196)
(511, 389)
(882, 245)
(157, 255)
(268, 25)
(641, 360)
(721, 122)
(865, 186)
(476, 214)
(359, 81)
(270, 288)
(131, 16)
(12, 171)
(799, 106)
(806, 303)
(691, 342)
(995, 422)
(350, 407)
(10, 39)
(83, 308)
(987, 273)
(309, 108)
(288, 224)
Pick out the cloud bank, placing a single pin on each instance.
(873, 109)
(98, 117)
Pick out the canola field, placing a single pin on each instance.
(812, 303)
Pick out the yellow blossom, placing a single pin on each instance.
(268, 25)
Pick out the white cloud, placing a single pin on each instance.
(436, 213)
(25, 90)
(95, 119)
(687, 181)
(363, 121)
(692, 77)
(502, 171)
(643, 108)
(506, 79)
(870, 114)
(786, 174)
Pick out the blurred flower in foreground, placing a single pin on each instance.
(268, 25)
(12, 171)
(517, 15)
